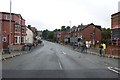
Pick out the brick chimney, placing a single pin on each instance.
(29, 26)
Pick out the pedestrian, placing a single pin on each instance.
(101, 48)
(74, 45)
(85, 47)
(82, 47)
(29, 46)
(104, 47)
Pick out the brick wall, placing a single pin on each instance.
(6, 30)
(16, 47)
(113, 50)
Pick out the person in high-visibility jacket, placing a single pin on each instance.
(101, 49)
(104, 47)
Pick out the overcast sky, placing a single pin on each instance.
(52, 14)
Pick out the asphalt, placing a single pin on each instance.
(57, 61)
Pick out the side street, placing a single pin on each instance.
(20, 52)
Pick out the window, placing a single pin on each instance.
(22, 39)
(23, 30)
(115, 33)
(7, 17)
(17, 29)
(19, 39)
(4, 39)
(15, 40)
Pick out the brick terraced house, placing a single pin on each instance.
(115, 25)
(18, 30)
(90, 33)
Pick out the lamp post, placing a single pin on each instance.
(70, 23)
(1, 37)
(94, 36)
(10, 27)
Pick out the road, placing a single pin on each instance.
(57, 61)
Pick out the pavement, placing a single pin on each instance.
(15, 53)
(11, 55)
(94, 51)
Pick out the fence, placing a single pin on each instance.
(113, 52)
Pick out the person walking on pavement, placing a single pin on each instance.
(104, 47)
(29, 46)
(82, 47)
(101, 48)
(85, 47)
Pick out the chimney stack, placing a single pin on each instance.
(29, 26)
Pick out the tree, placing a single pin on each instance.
(56, 30)
(45, 34)
(68, 28)
(51, 35)
(63, 28)
(106, 35)
(74, 27)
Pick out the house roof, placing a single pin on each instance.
(81, 27)
(19, 15)
(115, 13)
(97, 26)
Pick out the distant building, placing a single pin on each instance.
(115, 25)
(18, 30)
(60, 36)
(90, 34)
(39, 33)
(29, 36)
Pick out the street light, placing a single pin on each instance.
(94, 36)
(70, 23)
(10, 26)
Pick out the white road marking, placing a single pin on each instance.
(60, 64)
(110, 68)
(117, 68)
(63, 52)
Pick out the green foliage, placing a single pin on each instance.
(63, 28)
(51, 35)
(45, 34)
(56, 30)
(106, 35)
(48, 35)
(68, 27)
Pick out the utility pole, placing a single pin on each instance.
(70, 24)
(94, 36)
(1, 37)
(10, 27)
